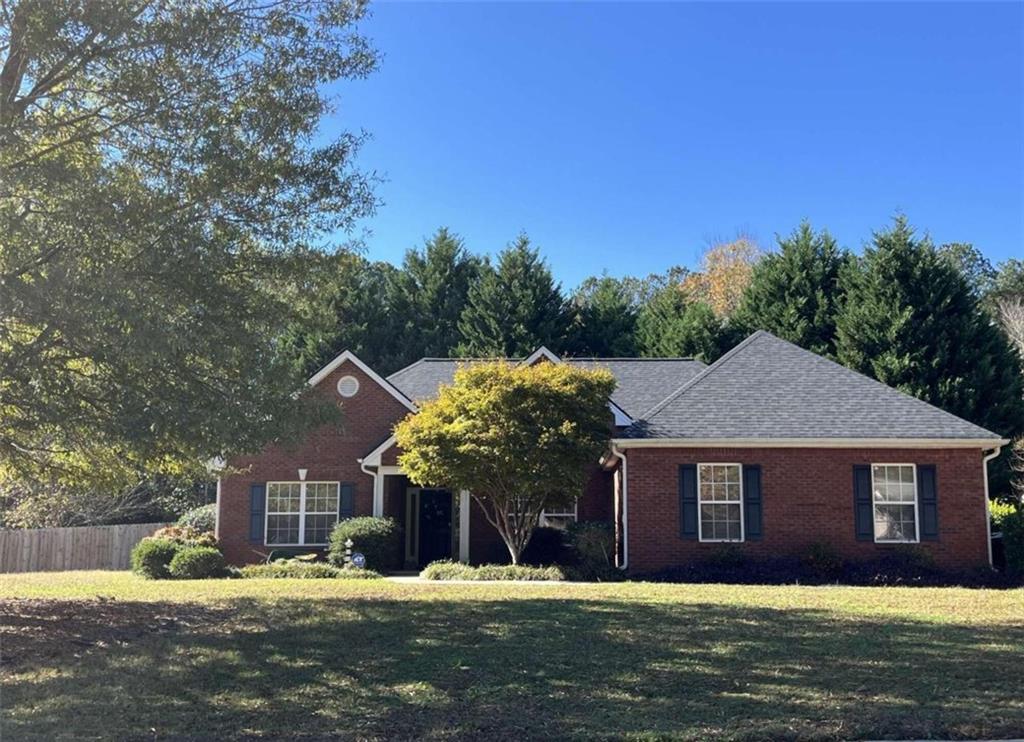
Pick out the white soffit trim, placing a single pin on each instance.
(351, 357)
(981, 443)
(373, 458)
(541, 353)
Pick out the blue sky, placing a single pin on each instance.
(625, 137)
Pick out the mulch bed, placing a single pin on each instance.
(34, 629)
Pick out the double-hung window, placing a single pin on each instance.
(301, 513)
(720, 494)
(559, 517)
(894, 502)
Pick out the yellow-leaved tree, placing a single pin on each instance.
(518, 438)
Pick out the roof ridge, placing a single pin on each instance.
(631, 358)
(704, 373)
(405, 368)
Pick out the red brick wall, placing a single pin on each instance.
(329, 453)
(807, 496)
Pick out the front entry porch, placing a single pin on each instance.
(435, 522)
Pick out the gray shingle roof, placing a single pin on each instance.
(768, 388)
(642, 382)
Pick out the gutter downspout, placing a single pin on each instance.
(988, 516)
(373, 474)
(624, 489)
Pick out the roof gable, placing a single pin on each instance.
(768, 388)
(350, 357)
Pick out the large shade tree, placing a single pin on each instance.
(520, 438)
(162, 173)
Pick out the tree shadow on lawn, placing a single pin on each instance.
(529, 668)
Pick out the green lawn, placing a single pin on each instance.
(107, 655)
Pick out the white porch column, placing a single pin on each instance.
(378, 495)
(464, 526)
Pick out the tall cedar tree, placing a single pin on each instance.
(347, 305)
(672, 325)
(910, 320)
(607, 316)
(164, 171)
(431, 292)
(795, 293)
(514, 308)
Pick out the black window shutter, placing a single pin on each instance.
(863, 512)
(347, 501)
(688, 501)
(928, 502)
(752, 502)
(257, 512)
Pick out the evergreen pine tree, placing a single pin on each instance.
(670, 325)
(607, 319)
(514, 307)
(430, 293)
(794, 293)
(911, 320)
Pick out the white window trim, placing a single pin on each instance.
(573, 513)
(302, 512)
(917, 514)
(700, 519)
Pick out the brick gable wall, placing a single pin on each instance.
(328, 453)
(807, 496)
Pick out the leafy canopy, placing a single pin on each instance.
(163, 177)
(519, 438)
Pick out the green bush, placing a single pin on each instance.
(449, 570)
(197, 563)
(378, 539)
(593, 542)
(1010, 523)
(546, 546)
(152, 557)
(301, 570)
(202, 518)
(822, 560)
(186, 536)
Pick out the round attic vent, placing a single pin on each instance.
(348, 386)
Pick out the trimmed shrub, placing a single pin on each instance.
(152, 557)
(1008, 519)
(546, 546)
(197, 563)
(593, 543)
(823, 560)
(449, 570)
(186, 536)
(378, 539)
(202, 518)
(298, 570)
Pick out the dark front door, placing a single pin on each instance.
(435, 526)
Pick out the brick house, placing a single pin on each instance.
(772, 448)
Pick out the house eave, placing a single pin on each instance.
(933, 443)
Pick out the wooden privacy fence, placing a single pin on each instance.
(85, 547)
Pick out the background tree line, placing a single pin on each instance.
(938, 322)
(169, 209)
